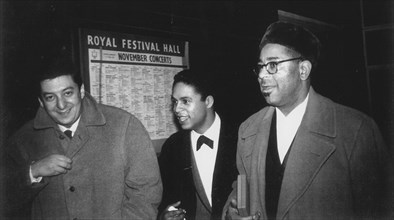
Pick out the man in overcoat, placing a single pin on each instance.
(305, 156)
(78, 159)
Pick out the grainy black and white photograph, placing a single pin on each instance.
(197, 110)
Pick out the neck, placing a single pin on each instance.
(300, 98)
(207, 123)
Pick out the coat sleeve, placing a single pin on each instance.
(143, 187)
(371, 173)
(241, 170)
(18, 190)
(166, 175)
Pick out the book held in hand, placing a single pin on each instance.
(242, 195)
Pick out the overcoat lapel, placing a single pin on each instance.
(308, 153)
(78, 141)
(198, 184)
(223, 158)
(91, 116)
(261, 144)
(185, 150)
(48, 138)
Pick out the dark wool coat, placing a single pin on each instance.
(180, 175)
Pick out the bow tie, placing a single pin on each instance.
(204, 140)
(68, 133)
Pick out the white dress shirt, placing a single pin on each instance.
(73, 127)
(205, 156)
(287, 126)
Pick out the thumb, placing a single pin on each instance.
(233, 203)
(176, 204)
(256, 216)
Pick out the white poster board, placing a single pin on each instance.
(134, 73)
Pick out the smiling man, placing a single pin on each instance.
(78, 159)
(305, 156)
(197, 163)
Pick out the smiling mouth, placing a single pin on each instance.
(267, 89)
(182, 118)
(64, 112)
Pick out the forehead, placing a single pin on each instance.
(57, 84)
(184, 90)
(274, 51)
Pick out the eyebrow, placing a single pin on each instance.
(67, 88)
(269, 59)
(183, 97)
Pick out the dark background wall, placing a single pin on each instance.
(223, 35)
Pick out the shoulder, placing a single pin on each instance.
(23, 140)
(349, 122)
(174, 148)
(175, 139)
(351, 119)
(114, 114)
(25, 132)
(255, 119)
(111, 111)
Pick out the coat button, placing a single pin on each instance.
(72, 188)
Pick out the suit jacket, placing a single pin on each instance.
(114, 172)
(180, 176)
(336, 167)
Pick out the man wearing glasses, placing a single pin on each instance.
(304, 156)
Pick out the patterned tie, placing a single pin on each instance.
(68, 133)
(204, 140)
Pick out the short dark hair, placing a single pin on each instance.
(201, 81)
(295, 37)
(54, 67)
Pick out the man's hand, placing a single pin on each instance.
(173, 213)
(233, 214)
(51, 165)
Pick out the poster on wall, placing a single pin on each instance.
(134, 73)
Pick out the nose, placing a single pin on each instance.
(176, 107)
(263, 73)
(61, 103)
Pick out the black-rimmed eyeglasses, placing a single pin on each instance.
(271, 67)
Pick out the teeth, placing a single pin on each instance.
(182, 118)
(65, 112)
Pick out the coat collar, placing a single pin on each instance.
(319, 117)
(308, 152)
(90, 116)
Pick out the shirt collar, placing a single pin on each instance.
(212, 132)
(296, 112)
(73, 127)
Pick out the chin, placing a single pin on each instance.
(66, 123)
(270, 101)
(185, 127)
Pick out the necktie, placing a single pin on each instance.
(68, 133)
(204, 140)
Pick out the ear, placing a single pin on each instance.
(40, 101)
(209, 101)
(305, 69)
(82, 91)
